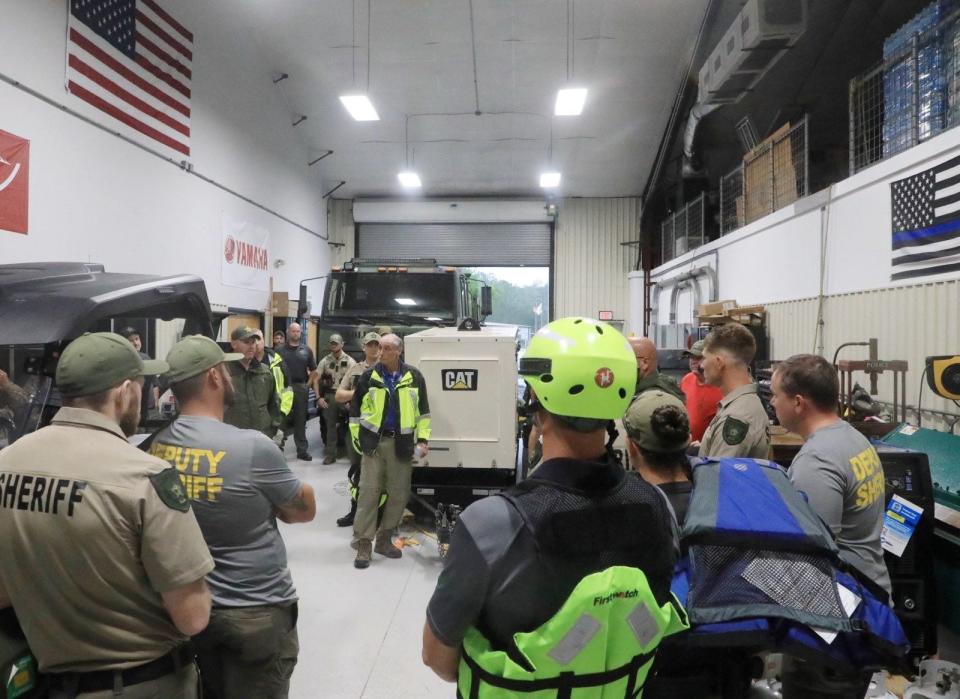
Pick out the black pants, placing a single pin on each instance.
(298, 417)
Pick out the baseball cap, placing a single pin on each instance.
(336, 338)
(638, 417)
(194, 355)
(371, 337)
(242, 333)
(696, 350)
(128, 332)
(95, 362)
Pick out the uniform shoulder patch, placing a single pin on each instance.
(734, 431)
(170, 488)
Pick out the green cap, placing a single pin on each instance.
(242, 333)
(696, 350)
(194, 355)
(638, 418)
(97, 361)
(371, 337)
(336, 339)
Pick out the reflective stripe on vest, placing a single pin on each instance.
(602, 641)
(374, 404)
(283, 391)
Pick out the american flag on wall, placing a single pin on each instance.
(926, 222)
(133, 61)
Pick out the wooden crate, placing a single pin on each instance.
(769, 175)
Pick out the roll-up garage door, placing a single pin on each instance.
(460, 244)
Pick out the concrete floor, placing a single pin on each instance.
(360, 630)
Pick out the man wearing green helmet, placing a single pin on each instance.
(563, 580)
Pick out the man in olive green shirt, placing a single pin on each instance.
(104, 562)
(256, 405)
(647, 375)
(344, 394)
(740, 426)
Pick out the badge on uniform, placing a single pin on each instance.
(170, 488)
(734, 431)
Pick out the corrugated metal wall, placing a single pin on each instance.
(590, 264)
(910, 323)
(340, 229)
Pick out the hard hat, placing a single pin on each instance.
(580, 368)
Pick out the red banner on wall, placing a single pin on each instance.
(14, 182)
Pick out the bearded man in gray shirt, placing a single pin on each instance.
(239, 486)
(842, 476)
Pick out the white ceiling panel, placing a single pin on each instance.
(631, 55)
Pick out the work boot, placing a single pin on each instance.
(329, 460)
(363, 554)
(386, 548)
(347, 519)
(304, 456)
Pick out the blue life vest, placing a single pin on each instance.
(760, 569)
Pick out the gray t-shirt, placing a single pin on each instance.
(234, 479)
(842, 476)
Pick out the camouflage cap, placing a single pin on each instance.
(696, 350)
(336, 339)
(243, 332)
(194, 355)
(371, 337)
(638, 417)
(97, 361)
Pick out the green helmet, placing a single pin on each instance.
(581, 368)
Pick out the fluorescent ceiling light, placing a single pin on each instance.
(406, 302)
(550, 179)
(360, 107)
(409, 179)
(570, 101)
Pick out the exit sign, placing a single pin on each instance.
(605, 315)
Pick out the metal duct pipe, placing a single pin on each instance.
(679, 282)
(694, 286)
(697, 113)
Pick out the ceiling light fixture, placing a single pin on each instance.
(570, 101)
(406, 302)
(409, 178)
(358, 103)
(360, 107)
(548, 180)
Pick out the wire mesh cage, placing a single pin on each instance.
(683, 230)
(731, 201)
(913, 94)
(772, 175)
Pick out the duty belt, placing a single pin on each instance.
(101, 680)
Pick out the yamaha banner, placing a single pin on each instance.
(245, 255)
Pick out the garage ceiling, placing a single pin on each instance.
(631, 54)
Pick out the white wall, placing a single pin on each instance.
(777, 258)
(590, 264)
(94, 197)
(341, 228)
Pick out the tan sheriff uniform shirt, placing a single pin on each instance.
(739, 428)
(88, 542)
(348, 383)
(335, 367)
